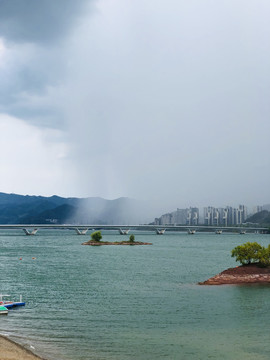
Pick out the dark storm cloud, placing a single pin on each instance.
(28, 78)
(35, 34)
(38, 21)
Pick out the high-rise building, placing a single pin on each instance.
(209, 215)
(188, 216)
(225, 216)
(192, 216)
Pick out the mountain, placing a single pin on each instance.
(56, 215)
(261, 217)
(26, 209)
(266, 207)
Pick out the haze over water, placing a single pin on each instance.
(122, 302)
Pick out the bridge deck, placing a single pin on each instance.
(134, 227)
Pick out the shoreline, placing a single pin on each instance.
(241, 275)
(11, 350)
(127, 242)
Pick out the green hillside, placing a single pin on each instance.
(20, 209)
(262, 218)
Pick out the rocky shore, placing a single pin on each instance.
(100, 243)
(244, 274)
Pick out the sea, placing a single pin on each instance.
(131, 302)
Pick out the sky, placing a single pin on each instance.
(166, 101)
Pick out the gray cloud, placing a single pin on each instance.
(172, 101)
(162, 101)
(35, 35)
(30, 77)
(38, 21)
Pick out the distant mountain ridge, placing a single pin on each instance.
(27, 209)
(261, 217)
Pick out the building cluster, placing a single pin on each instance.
(179, 217)
(211, 216)
(225, 216)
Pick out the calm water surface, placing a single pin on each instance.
(126, 303)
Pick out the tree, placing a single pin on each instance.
(248, 253)
(131, 238)
(96, 236)
(264, 256)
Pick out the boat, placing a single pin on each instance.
(191, 231)
(218, 231)
(3, 310)
(10, 304)
(242, 232)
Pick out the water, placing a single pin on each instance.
(127, 303)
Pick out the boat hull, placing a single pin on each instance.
(3, 310)
(9, 305)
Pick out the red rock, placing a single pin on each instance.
(244, 274)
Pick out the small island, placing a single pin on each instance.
(96, 241)
(254, 268)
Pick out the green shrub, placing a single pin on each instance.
(132, 238)
(96, 236)
(252, 253)
(264, 256)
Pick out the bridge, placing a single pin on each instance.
(32, 229)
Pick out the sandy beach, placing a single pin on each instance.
(9, 350)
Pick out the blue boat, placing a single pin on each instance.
(10, 304)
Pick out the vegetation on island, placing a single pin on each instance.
(252, 253)
(96, 241)
(96, 236)
(255, 269)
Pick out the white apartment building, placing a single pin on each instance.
(225, 216)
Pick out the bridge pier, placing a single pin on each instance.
(30, 232)
(81, 232)
(160, 231)
(124, 231)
